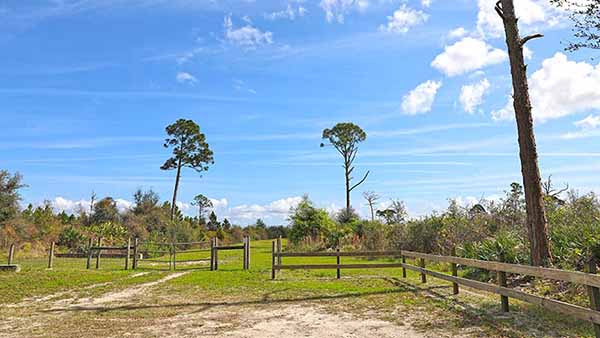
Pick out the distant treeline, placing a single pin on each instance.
(33, 228)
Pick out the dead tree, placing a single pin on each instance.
(371, 198)
(537, 225)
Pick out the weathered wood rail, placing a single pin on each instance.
(589, 279)
(98, 248)
(215, 248)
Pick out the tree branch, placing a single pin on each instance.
(360, 182)
(530, 37)
(498, 9)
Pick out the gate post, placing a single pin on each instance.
(135, 253)
(11, 254)
(594, 292)
(245, 262)
(403, 268)
(338, 263)
(212, 254)
(454, 269)
(248, 252)
(174, 256)
(99, 253)
(89, 257)
(279, 249)
(273, 260)
(502, 282)
(51, 256)
(128, 253)
(423, 275)
(216, 253)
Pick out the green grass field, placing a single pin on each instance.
(382, 293)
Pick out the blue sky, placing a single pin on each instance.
(87, 87)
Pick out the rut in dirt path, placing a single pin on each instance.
(123, 295)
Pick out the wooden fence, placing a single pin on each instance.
(10, 266)
(98, 248)
(215, 248)
(589, 279)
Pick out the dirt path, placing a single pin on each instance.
(48, 317)
(123, 295)
(289, 321)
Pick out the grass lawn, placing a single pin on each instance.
(375, 293)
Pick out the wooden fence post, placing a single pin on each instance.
(594, 292)
(279, 249)
(216, 253)
(174, 256)
(89, 257)
(128, 253)
(423, 275)
(338, 263)
(99, 253)
(454, 268)
(273, 260)
(403, 268)
(135, 253)
(51, 256)
(244, 253)
(248, 252)
(212, 254)
(502, 282)
(11, 254)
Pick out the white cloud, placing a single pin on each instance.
(527, 53)
(403, 19)
(458, 33)
(289, 13)
(529, 12)
(336, 9)
(560, 88)
(274, 210)
(184, 77)
(588, 127)
(69, 206)
(467, 55)
(590, 122)
(420, 99)
(426, 3)
(247, 36)
(72, 207)
(123, 205)
(219, 203)
(471, 96)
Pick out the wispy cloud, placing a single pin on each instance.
(79, 143)
(185, 77)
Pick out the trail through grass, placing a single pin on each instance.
(61, 301)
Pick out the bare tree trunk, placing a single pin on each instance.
(537, 225)
(175, 190)
(372, 214)
(347, 174)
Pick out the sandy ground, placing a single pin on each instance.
(124, 295)
(291, 321)
(306, 320)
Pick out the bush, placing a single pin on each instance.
(71, 238)
(311, 224)
(375, 235)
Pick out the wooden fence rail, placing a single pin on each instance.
(588, 279)
(98, 248)
(215, 248)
